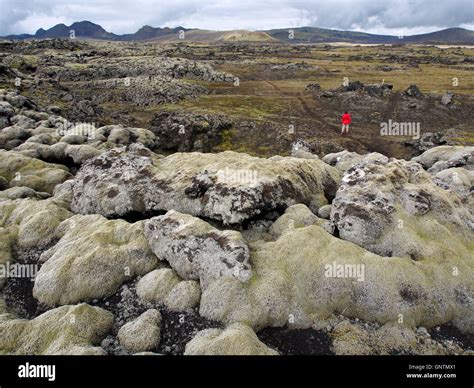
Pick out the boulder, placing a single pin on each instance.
(165, 287)
(227, 187)
(390, 207)
(429, 140)
(23, 122)
(18, 101)
(73, 139)
(197, 250)
(155, 286)
(442, 153)
(32, 222)
(13, 136)
(6, 112)
(91, 260)
(42, 138)
(325, 212)
(413, 91)
(183, 296)
(302, 149)
(447, 98)
(119, 135)
(443, 157)
(21, 170)
(66, 330)
(142, 334)
(80, 153)
(459, 180)
(296, 216)
(236, 340)
(19, 192)
(378, 90)
(342, 160)
(352, 86)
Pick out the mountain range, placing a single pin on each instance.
(89, 30)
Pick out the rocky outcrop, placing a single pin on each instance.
(44, 135)
(302, 149)
(429, 140)
(193, 252)
(185, 133)
(459, 180)
(447, 98)
(19, 192)
(228, 187)
(390, 207)
(308, 274)
(372, 90)
(443, 157)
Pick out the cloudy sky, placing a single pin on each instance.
(126, 16)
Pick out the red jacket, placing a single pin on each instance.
(346, 118)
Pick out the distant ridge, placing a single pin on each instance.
(89, 30)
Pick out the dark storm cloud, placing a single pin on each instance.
(122, 16)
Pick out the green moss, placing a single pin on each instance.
(226, 143)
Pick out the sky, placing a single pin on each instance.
(394, 17)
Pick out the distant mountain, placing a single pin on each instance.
(18, 37)
(322, 35)
(89, 30)
(150, 33)
(450, 35)
(82, 29)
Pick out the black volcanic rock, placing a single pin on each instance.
(413, 91)
(185, 133)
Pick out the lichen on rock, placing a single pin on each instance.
(66, 330)
(92, 258)
(197, 250)
(237, 339)
(227, 187)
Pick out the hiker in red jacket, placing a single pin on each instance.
(346, 120)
